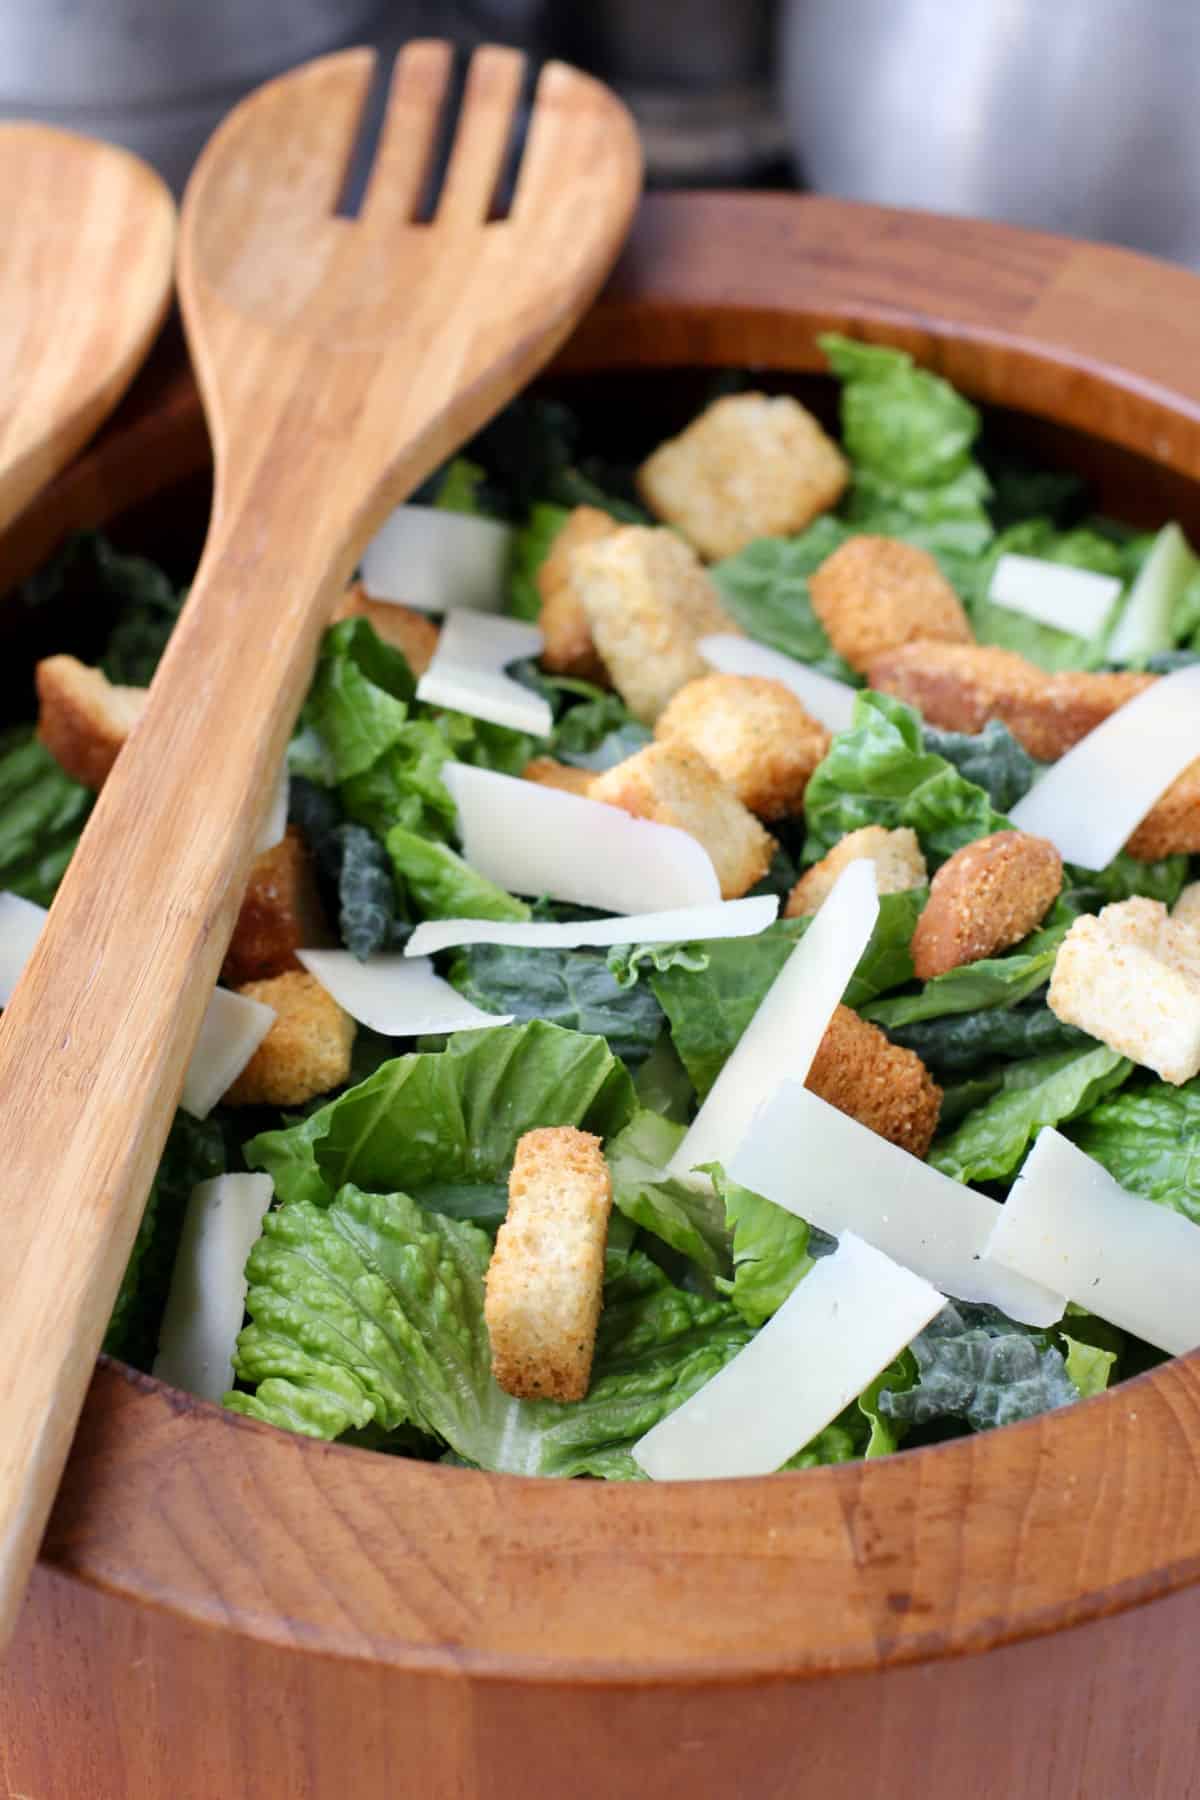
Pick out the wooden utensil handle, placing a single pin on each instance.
(114, 994)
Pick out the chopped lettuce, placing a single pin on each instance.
(992, 981)
(449, 1118)
(572, 988)
(441, 885)
(765, 588)
(978, 1367)
(1148, 1138)
(690, 1219)
(42, 812)
(531, 546)
(992, 1139)
(956, 1044)
(770, 1250)
(598, 732)
(992, 759)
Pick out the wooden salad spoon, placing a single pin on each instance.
(85, 282)
(340, 360)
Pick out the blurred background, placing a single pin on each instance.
(1077, 116)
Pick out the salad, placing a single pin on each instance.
(719, 989)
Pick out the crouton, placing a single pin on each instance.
(281, 913)
(648, 602)
(887, 1089)
(1186, 910)
(549, 773)
(1172, 825)
(563, 623)
(307, 1050)
(414, 634)
(899, 864)
(1130, 976)
(546, 1276)
(749, 467)
(675, 786)
(990, 894)
(754, 733)
(961, 686)
(875, 593)
(83, 719)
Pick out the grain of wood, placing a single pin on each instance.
(340, 361)
(85, 281)
(216, 1600)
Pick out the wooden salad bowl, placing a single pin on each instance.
(222, 1610)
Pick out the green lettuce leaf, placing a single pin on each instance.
(765, 588)
(359, 699)
(877, 772)
(42, 812)
(956, 1044)
(977, 1367)
(992, 759)
(663, 1084)
(770, 1250)
(572, 988)
(460, 488)
(709, 1008)
(992, 981)
(1050, 648)
(448, 1119)
(1045, 1090)
(1148, 1138)
(598, 732)
(531, 546)
(691, 1220)
(442, 886)
(1089, 1367)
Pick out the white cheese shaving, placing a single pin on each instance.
(1124, 1258)
(432, 559)
(786, 1031)
(1075, 600)
(395, 996)
(274, 826)
(816, 1162)
(536, 840)
(467, 672)
(684, 925)
(1091, 800)
(830, 701)
(233, 1026)
(207, 1297)
(848, 1319)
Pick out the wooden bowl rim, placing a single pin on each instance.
(173, 1503)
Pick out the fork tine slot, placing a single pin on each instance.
(481, 143)
(410, 130)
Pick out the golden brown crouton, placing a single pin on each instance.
(280, 914)
(749, 467)
(899, 864)
(990, 894)
(875, 593)
(961, 686)
(83, 719)
(675, 786)
(1173, 823)
(754, 733)
(648, 602)
(414, 634)
(1131, 978)
(545, 1279)
(307, 1050)
(887, 1089)
(563, 623)
(549, 773)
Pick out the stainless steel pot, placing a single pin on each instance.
(1079, 116)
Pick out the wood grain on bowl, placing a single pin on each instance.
(221, 1610)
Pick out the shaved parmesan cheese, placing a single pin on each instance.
(684, 925)
(233, 1026)
(394, 996)
(275, 824)
(832, 702)
(207, 1298)
(467, 672)
(21, 924)
(1134, 1263)
(1076, 600)
(845, 1322)
(1091, 800)
(1145, 624)
(537, 840)
(433, 559)
(785, 1033)
(816, 1162)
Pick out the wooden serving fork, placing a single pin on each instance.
(340, 360)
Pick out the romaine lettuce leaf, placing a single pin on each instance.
(572, 988)
(42, 812)
(441, 885)
(531, 546)
(1043, 1090)
(992, 981)
(448, 1118)
(691, 1220)
(770, 1250)
(765, 588)
(1148, 1138)
(709, 1008)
